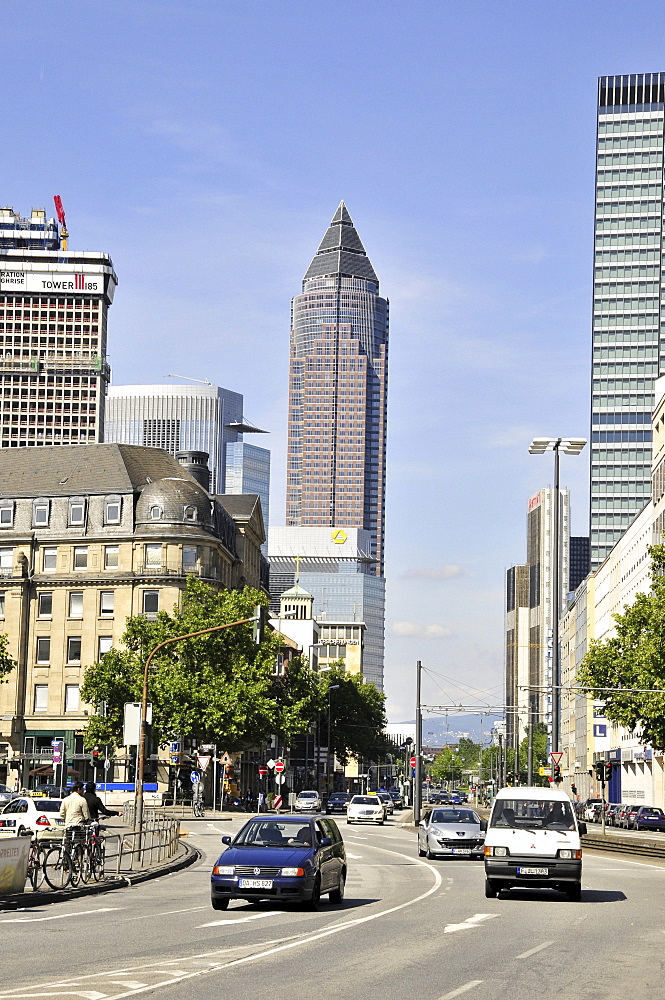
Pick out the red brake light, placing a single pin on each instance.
(43, 821)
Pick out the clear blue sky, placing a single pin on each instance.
(206, 145)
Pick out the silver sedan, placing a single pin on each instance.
(452, 831)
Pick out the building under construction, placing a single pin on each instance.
(53, 312)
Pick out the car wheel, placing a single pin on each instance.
(315, 898)
(380, 823)
(349, 822)
(337, 895)
(490, 890)
(421, 853)
(221, 903)
(574, 892)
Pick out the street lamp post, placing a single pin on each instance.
(569, 446)
(332, 687)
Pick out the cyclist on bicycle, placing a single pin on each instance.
(95, 804)
(74, 809)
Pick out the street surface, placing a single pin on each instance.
(407, 928)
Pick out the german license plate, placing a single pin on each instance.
(461, 850)
(533, 871)
(255, 883)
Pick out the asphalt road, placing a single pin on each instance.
(408, 928)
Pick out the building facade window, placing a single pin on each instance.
(156, 512)
(45, 604)
(80, 557)
(111, 556)
(190, 558)
(72, 698)
(150, 602)
(76, 514)
(49, 559)
(73, 649)
(76, 604)
(106, 603)
(104, 644)
(6, 559)
(41, 510)
(112, 510)
(190, 513)
(41, 698)
(2, 604)
(6, 513)
(43, 654)
(153, 556)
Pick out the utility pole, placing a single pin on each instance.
(417, 785)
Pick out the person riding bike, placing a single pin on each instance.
(95, 804)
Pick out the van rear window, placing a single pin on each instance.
(530, 814)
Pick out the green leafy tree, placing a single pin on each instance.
(634, 658)
(357, 716)
(7, 664)
(447, 766)
(218, 687)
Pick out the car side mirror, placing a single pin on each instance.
(422, 823)
(582, 828)
(325, 842)
(226, 840)
(483, 824)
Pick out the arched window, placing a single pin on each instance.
(156, 512)
(190, 513)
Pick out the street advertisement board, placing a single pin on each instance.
(14, 853)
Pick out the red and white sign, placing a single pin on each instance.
(50, 281)
(279, 766)
(202, 763)
(533, 502)
(277, 802)
(263, 770)
(556, 756)
(413, 762)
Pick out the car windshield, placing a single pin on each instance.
(307, 795)
(364, 800)
(453, 816)
(274, 833)
(339, 797)
(532, 814)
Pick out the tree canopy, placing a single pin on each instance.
(219, 687)
(634, 658)
(7, 664)
(357, 715)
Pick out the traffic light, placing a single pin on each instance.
(557, 773)
(599, 768)
(260, 622)
(95, 757)
(608, 770)
(573, 789)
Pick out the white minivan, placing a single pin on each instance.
(533, 839)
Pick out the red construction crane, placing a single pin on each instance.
(60, 212)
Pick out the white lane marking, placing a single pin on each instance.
(461, 989)
(85, 994)
(473, 921)
(533, 951)
(356, 857)
(166, 913)
(643, 864)
(128, 984)
(241, 920)
(60, 916)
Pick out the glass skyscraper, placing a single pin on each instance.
(337, 393)
(628, 345)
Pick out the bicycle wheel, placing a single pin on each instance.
(98, 861)
(57, 868)
(36, 866)
(78, 865)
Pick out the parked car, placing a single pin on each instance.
(396, 796)
(338, 802)
(285, 858)
(628, 816)
(308, 801)
(649, 818)
(37, 815)
(612, 813)
(451, 831)
(590, 812)
(49, 792)
(6, 794)
(365, 809)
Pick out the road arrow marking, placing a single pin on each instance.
(469, 922)
(462, 989)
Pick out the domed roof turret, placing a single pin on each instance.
(174, 501)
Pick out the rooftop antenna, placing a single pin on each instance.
(60, 212)
(203, 381)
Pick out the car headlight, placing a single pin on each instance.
(292, 872)
(568, 854)
(497, 852)
(224, 870)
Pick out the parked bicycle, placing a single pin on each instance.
(36, 858)
(79, 857)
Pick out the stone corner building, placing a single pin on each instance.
(90, 534)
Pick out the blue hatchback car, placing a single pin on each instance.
(284, 858)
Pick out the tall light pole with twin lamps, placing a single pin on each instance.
(569, 446)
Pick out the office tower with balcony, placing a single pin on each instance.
(53, 314)
(337, 393)
(628, 342)
(199, 418)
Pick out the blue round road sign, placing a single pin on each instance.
(195, 777)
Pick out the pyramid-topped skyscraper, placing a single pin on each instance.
(338, 389)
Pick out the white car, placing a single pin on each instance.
(40, 816)
(365, 809)
(308, 802)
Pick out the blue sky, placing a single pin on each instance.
(206, 145)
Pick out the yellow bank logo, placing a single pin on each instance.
(339, 536)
